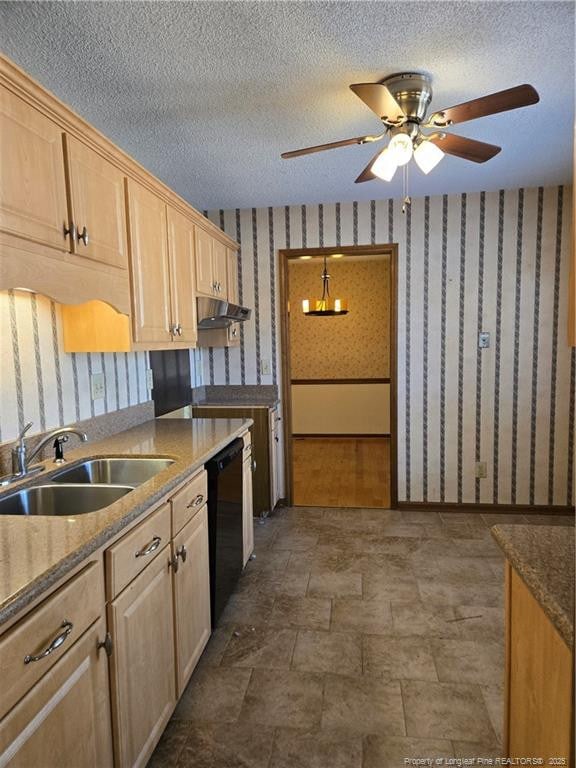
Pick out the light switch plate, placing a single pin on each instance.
(149, 379)
(481, 469)
(265, 368)
(98, 386)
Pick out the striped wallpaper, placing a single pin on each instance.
(39, 382)
(494, 261)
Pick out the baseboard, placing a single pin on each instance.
(302, 435)
(504, 509)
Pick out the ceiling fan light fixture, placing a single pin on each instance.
(401, 148)
(384, 166)
(427, 156)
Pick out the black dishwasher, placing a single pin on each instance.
(224, 524)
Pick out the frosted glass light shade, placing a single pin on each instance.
(401, 148)
(427, 156)
(384, 166)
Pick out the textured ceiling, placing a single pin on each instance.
(208, 94)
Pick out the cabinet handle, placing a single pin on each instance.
(83, 236)
(254, 465)
(182, 552)
(196, 501)
(179, 329)
(173, 563)
(54, 645)
(106, 644)
(71, 231)
(234, 331)
(176, 330)
(149, 548)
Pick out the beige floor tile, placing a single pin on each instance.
(269, 560)
(332, 584)
(420, 516)
(462, 517)
(470, 749)
(247, 609)
(319, 749)
(424, 619)
(408, 658)
(392, 751)
(448, 593)
(171, 744)
(214, 694)
(366, 616)
(214, 650)
(494, 700)
(388, 585)
(551, 519)
(457, 570)
(446, 711)
(261, 647)
(288, 699)
(363, 704)
(469, 661)
(295, 541)
(227, 746)
(293, 584)
(337, 652)
(301, 612)
(503, 518)
(480, 622)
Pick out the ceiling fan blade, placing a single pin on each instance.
(380, 100)
(512, 98)
(367, 174)
(468, 149)
(332, 145)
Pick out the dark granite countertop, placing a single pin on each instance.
(543, 556)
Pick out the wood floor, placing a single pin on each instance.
(341, 472)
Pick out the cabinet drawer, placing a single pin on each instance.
(189, 500)
(56, 623)
(136, 550)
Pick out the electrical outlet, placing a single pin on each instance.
(481, 469)
(265, 368)
(483, 340)
(98, 386)
(149, 379)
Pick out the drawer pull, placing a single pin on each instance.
(54, 645)
(196, 501)
(182, 552)
(149, 548)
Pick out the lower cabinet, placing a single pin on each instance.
(64, 720)
(142, 662)
(191, 582)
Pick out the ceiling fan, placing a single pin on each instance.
(401, 102)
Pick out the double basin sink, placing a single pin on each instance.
(85, 487)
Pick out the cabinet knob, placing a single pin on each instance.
(176, 330)
(70, 231)
(182, 552)
(83, 236)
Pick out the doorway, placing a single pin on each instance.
(339, 378)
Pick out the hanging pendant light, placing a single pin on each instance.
(326, 306)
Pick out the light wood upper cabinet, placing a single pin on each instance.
(143, 669)
(211, 266)
(96, 197)
(182, 277)
(33, 190)
(150, 283)
(191, 595)
(232, 276)
(64, 720)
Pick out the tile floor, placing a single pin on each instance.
(354, 639)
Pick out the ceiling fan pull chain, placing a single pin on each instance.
(406, 191)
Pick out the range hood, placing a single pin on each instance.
(215, 313)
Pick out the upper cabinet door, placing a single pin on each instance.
(33, 190)
(97, 205)
(204, 269)
(232, 275)
(182, 277)
(220, 269)
(148, 244)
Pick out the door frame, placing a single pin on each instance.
(287, 255)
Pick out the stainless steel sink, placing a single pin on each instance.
(120, 471)
(61, 500)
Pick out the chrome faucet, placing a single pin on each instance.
(21, 458)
